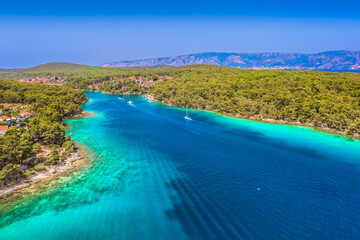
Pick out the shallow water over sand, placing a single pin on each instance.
(158, 176)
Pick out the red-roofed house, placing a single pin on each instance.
(4, 118)
(25, 114)
(3, 129)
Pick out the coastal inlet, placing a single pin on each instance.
(156, 175)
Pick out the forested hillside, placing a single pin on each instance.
(77, 73)
(329, 100)
(324, 99)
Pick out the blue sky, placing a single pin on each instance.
(95, 32)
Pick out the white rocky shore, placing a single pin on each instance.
(44, 177)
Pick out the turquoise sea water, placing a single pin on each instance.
(157, 176)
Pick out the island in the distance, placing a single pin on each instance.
(331, 60)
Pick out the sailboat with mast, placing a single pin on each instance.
(186, 115)
(126, 98)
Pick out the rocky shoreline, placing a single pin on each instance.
(274, 121)
(81, 115)
(41, 179)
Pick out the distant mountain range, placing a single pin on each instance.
(332, 61)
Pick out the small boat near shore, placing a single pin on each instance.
(187, 116)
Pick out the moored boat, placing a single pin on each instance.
(187, 116)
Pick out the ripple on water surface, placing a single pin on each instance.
(157, 176)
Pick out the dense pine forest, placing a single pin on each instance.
(324, 99)
(42, 131)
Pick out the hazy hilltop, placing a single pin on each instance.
(64, 67)
(334, 60)
(58, 67)
(69, 69)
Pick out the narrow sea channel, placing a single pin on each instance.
(156, 175)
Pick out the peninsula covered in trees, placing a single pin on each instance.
(28, 146)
